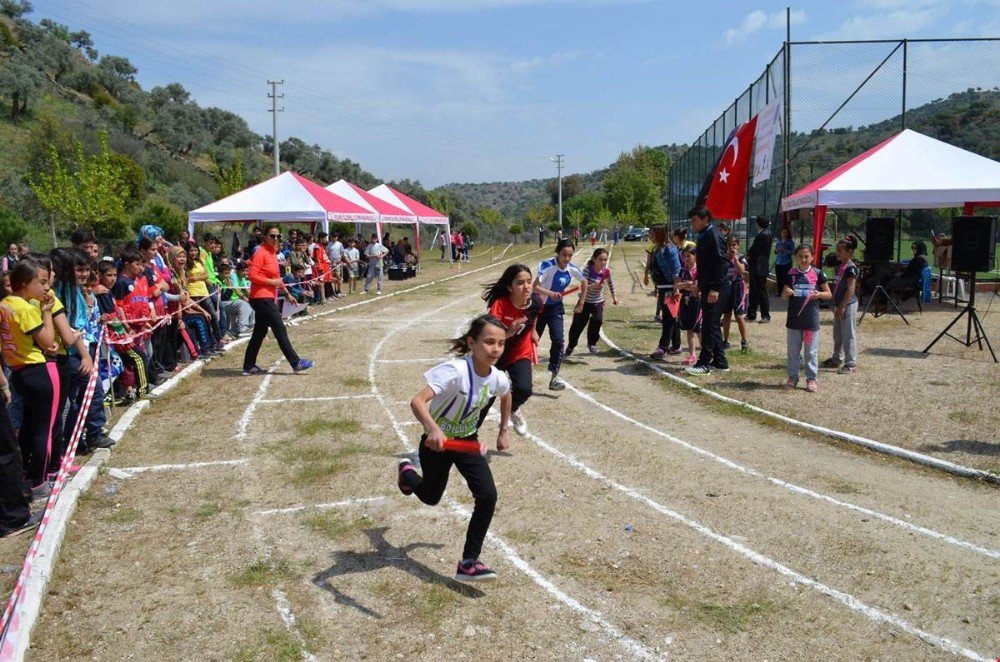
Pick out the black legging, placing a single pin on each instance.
(38, 386)
(670, 331)
(520, 373)
(475, 469)
(267, 316)
(591, 317)
(14, 507)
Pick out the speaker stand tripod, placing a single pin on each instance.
(879, 291)
(972, 324)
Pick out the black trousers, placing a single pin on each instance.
(164, 358)
(781, 275)
(712, 353)
(758, 297)
(670, 331)
(267, 316)
(38, 386)
(475, 468)
(591, 317)
(14, 505)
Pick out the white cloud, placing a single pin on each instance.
(758, 20)
(887, 25)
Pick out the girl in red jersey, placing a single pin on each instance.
(511, 300)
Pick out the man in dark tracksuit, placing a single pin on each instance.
(759, 257)
(714, 283)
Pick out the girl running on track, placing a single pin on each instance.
(554, 277)
(737, 298)
(806, 286)
(689, 313)
(451, 407)
(511, 301)
(589, 311)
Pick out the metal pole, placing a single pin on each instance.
(558, 158)
(787, 85)
(274, 96)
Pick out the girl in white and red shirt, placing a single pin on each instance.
(589, 311)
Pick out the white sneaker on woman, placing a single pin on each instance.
(520, 425)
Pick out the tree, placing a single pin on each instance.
(541, 215)
(554, 226)
(470, 229)
(12, 227)
(632, 195)
(490, 217)
(20, 82)
(232, 179)
(15, 8)
(575, 218)
(168, 218)
(57, 30)
(91, 193)
(571, 187)
(515, 229)
(81, 39)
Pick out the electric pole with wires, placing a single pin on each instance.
(274, 96)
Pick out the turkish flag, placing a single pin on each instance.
(728, 186)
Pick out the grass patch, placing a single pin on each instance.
(524, 536)
(432, 602)
(356, 381)
(333, 526)
(315, 426)
(207, 510)
(310, 464)
(962, 416)
(125, 516)
(730, 618)
(611, 576)
(265, 572)
(271, 644)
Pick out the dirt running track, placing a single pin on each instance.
(634, 522)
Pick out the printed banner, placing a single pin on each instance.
(767, 131)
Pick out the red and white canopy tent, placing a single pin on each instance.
(288, 197)
(907, 171)
(422, 212)
(385, 212)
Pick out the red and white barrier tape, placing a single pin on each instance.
(10, 624)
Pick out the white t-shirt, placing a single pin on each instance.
(374, 253)
(334, 250)
(551, 277)
(461, 395)
(352, 255)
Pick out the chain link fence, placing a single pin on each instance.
(843, 98)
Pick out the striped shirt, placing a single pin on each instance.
(599, 277)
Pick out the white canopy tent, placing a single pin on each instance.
(385, 211)
(423, 214)
(907, 171)
(288, 197)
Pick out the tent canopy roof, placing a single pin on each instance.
(388, 212)
(908, 171)
(423, 213)
(285, 197)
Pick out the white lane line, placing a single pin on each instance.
(329, 398)
(798, 489)
(871, 444)
(635, 649)
(846, 599)
(244, 423)
(321, 506)
(381, 320)
(432, 359)
(181, 467)
(284, 608)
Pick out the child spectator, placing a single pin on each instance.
(846, 301)
(235, 299)
(131, 296)
(806, 286)
(737, 305)
(689, 311)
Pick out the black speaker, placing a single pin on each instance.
(880, 239)
(973, 243)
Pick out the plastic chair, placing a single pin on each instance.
(925, 285)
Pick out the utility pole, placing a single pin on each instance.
(274, 96)
(558, 159)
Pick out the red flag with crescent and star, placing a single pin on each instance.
(728, 188)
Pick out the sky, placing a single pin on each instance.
(447, 91)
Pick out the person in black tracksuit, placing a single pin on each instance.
(714, 283)
(759, 257)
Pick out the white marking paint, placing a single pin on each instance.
(288, 618)
(244, 423)
(635, 649)
(322, 506)
(432, 359)
(871, 444)
(889, 519)
(182, 467)
(845, 599)
(330, 398)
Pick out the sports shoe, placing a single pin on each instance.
(404, 466)
(101, 442)
(811, 386)
(33, 521)
(253, 370)
(520, 425)
(831, 363)
(720, 368)
(302, 365)
(556, 384)
(725, 344)
(568, 352)
(764, 320)
(675, 351)
(791, 383)
(41, 491)
(690, 359)
(657, 354)
(698, 370)
(378, 292)
(592, 349)
(744, 346)
(751, 318)
(847, 369)
(472, 570)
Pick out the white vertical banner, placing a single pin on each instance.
(767, 130)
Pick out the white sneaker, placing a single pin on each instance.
(520, 425)
(378, 293)
(556, 384)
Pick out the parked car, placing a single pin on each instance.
(637, 234)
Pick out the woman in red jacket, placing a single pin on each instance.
(265, 282)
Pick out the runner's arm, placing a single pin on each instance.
(419, 407)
